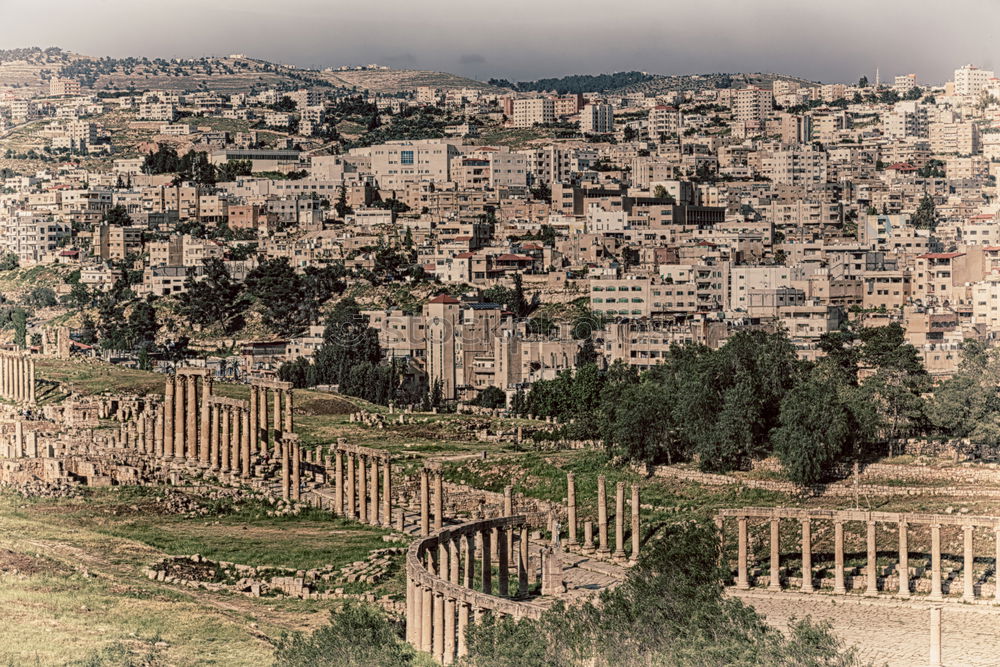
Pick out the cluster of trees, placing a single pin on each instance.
(192, 166)
(749, 399)
(351, 357)
(576, 83)
(669, 611)
(288, 301)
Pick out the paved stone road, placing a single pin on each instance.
(891, 632)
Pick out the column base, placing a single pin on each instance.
(840, 590)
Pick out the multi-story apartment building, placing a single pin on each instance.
(596, 118)
(533, 111)
(971, 80)
(752, 105)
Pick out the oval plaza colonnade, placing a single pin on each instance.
(17, 377)
(903, 524)
(449, 582)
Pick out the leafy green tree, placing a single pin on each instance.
(8, 262)
(815, 431)
(359, 635)
(117, 215)
(19, 318)
(491, 397)
(214, 299)
(278, 291)
(342, 207)
(926, 215)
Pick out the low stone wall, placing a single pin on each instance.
(316, 584)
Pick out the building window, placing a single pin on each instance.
(406, 157)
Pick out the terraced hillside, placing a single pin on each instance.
(669, 83)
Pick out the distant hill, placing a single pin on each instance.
(33, 67)
(668, 83)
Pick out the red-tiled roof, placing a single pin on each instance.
(443, 298)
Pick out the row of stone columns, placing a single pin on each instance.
(185, 420)
(17, 377)
(271, 413)
(431, 506)
(436, 620)
(603, 546)
(227, 448)
(291, 466)
(871, 570)
(357, 492)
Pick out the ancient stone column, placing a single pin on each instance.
(262, 409)
(449, 631)
(508, 510)
(871, 575)
(426, 622)
(362, 477)
(254, 420)
(571, 507)
(158, 432)
(215, 438)
(287, 425)
(286, 483)
(373, 508)
(438, 499)
(807, 571)
(904, 561)
(620, 521)
(935, 637)
(179, 414)
(635, 523)
(31, 381)
(244, 443)
(338, 483)
(742, 581)
(522, 562)
(412, 618)
(168, 418)
(775, 579)
(234, 441)
(935, 562)
(602, 515)
(224, 438)
(278, 433)
(386, 493)
(968, 590)
(463, 625)
(296, 470)
(469, 576)
(838, 556)
(503, 566)
(191, 429)
(204, 435)
(425, 522)
(487, 563)
(996, 566)
(352, 488)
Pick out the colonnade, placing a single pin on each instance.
(270, 412)
(449, 582)
(228, 447)
(902, 524)
(17, 377)
(357, 492)
(185, 417)
(431, 475)
(603, 547)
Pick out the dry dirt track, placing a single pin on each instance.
(891, 632)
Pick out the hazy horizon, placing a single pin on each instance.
(530, 41)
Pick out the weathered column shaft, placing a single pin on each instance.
(215, 438)
(571, 507)
(871, 575)
(742, 580)
(191, 428)
(838, 557)
(351, 489)
(807, 571)
(503, 566)
(244, 443)
(204, 435)
(620, 520)
(386, 493)
(935, 637)
(438, 499)
(254, 420)
(935, 561)
(487, 562)
(179, 414)
(968, 588)
(287, 426)
(425, 523)
(775, 579)
(167, 433)
(338, 483)
(224, 438)
(362, 476)
(373, 507)
(602, 514)
(286, 483)
(635, 522)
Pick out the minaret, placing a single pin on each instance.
(876, 78)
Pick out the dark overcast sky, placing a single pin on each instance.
(828, 41)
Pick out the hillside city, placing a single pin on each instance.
(515, 334)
